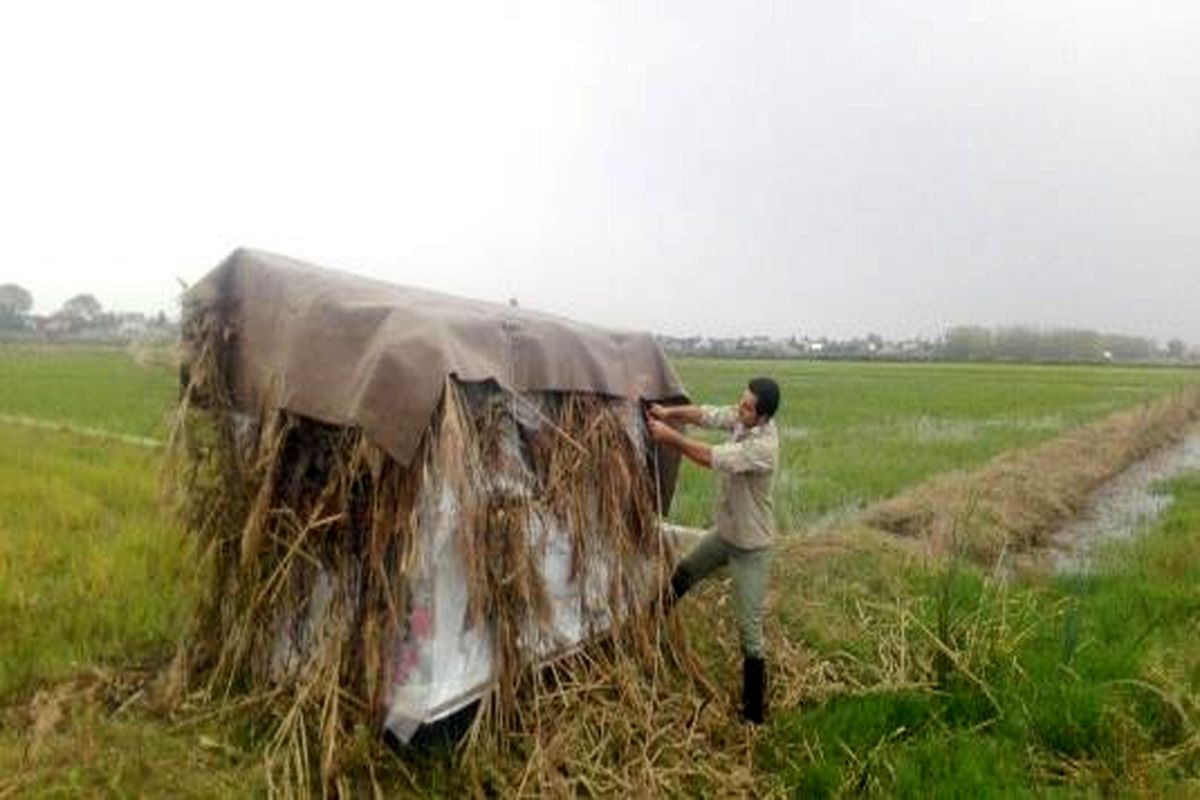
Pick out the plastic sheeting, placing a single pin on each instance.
(444, 663)
(441, 662)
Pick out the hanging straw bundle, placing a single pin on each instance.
(308, 537)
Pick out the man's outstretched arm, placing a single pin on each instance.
(663, 433)
(689, 415)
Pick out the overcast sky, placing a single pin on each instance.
(824, 168)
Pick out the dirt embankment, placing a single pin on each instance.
(1017, 501)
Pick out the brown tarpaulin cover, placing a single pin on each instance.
(352, 351)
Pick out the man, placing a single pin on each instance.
(745, 524)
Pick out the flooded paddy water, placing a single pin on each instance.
(1124, 506)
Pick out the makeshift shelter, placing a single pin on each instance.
(400, 499)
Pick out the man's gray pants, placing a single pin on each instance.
(749, 569)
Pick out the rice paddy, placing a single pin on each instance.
(892, 675)
(854, 433)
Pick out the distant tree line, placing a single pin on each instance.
(15, 304)
(960, 343)
(81, 318)
(975, 343)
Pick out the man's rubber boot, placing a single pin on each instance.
(754, 690)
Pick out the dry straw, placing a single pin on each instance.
(275, 504)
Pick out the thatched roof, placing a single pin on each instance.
(352, 351)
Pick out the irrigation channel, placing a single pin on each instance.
(1124, 506)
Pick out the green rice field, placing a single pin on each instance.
(1091, 685)
(852, 433)
(103, 388)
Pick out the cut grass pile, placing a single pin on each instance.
(283, 510)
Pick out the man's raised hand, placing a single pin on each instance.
(660, 431)
(657, 411)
